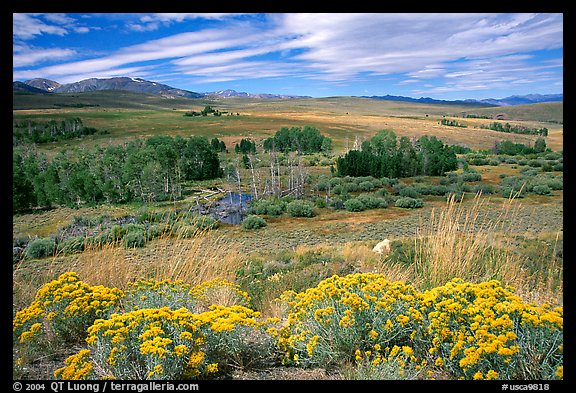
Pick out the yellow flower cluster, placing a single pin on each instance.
(475, 328)
(164, 343)
(343, 311)
(390, 362)
(221, 318)
(68, 305)
(471, 330)
(78, 366)
(148, 343)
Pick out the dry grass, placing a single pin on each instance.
(201, 257)
(458, 242)
(195, 259)
(450, 244)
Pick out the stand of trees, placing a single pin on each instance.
(141, 170)
(246, 146)
(384, 156)
(218, 145)
(30, 131)
(510, 148)
(507, 127)
(453, 123)
(305, 140)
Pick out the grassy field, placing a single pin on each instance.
(478, 238)
(344, 119)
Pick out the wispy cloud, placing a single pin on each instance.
(466, 51)
(25, 26)
(24, 55)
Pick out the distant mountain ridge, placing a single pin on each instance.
(507, 101)
(139, 85)
(233, 93)
(136, 85)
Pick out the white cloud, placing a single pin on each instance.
(29, 26)
(26, 26)
(23, 55)
(345, 44)
(467, 51)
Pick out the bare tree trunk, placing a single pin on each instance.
(254, 188)
(239, 184)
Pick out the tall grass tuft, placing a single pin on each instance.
(456, 243)
(194, 258)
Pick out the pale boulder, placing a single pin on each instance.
(382, 247)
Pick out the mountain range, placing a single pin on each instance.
(138, 85)
(507, 101)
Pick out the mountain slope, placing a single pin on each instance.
(233, 93)
(138, 85)
(135, 85)
(21, 87)
(43, 84)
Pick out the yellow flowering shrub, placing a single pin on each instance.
(470, 331)
(62, 310)
(329, 322)
(172, 344)
(236, 338)
(484, 331)
(143, 344)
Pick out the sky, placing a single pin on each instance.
(442, 56)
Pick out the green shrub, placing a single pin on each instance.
(337, 189)
(350, 187)
(72, 245)
(431, 189)
(354, 205)
(366, 186)
(267, 207)
(118, 232)
(372, 202)
(253, 222)
(409, 192)
(471, 176)
(40, 248)
(408, 203)
(203, 222)
(542, 189)
(320, 202)
(135, 238)
(300, 208)
(511, 192)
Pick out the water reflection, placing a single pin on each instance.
(231, 209)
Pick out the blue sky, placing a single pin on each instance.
(443, 56)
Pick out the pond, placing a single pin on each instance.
(231, 209)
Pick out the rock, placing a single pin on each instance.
(382, 247)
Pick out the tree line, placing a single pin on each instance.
(141, 170)
(31, 131)
(384, 156)
(507, 127)
(512, 149)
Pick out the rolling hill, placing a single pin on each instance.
(136, 85)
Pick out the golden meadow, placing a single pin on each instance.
(464, 308)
